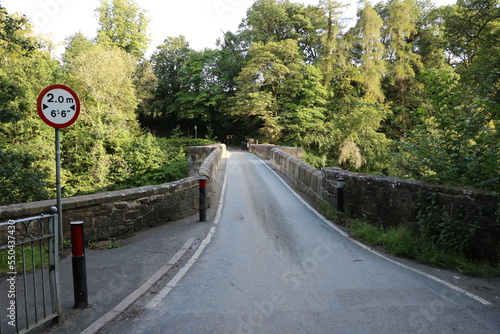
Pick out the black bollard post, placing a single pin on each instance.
(340, 194)
(203, 200)
(79, 266)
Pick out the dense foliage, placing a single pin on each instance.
(409, 90)
(106, 148)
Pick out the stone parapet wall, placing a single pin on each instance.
(117, 213)
(391, 202)
(264, 151)
(197, 155)
(210, 166)
(305, 177)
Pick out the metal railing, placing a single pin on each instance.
(29, 287)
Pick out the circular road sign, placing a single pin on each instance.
(58, 106)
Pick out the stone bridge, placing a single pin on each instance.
(383, 200)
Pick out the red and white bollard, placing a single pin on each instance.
(203, 200)
(79, 266)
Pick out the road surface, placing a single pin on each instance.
(272, 265)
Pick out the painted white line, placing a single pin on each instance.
(344, 234)
(106, 318)
(221, 201)
(175, 280)
(434, 278)
(336, 228)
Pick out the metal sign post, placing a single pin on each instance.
(58, 182)
(58, 106)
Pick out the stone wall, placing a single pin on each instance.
(391, 201)
(264, 151)
(197, 155)
(210, 166)
(115, 214)
(303, 176)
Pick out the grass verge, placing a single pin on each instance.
(402, 241)
(33, 257)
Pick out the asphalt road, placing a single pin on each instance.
(271, 265)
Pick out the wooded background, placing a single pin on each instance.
(410, 91)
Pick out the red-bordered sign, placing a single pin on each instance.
(58, 106)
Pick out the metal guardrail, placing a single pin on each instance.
(29, 287)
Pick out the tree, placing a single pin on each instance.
(15, 44)
(25, 69)
(92, 149)
(472, 32)
(400, 32)
(145, 83)
(104, 79)
(304, 117)
(12, 104)
(333, 50)
(21, 178)
(75, 45)
(430, 40)
(193, 86)
(168, 61)
(106, 146)
(457, 140)
(204, 82)
(123, 24)
(467, 26)
(373, 67)
(267, 84)
(278, 20)
(12, 38)
(401, 85)
(267, 21)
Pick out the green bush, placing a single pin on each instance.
(21, 181)
(456, 139)
(448, 232)
(174, 168)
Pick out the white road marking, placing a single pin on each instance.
(106, 318)
(221, 201)
(344, 234)
(175, 280)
